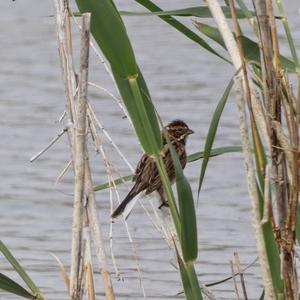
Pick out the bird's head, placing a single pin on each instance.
(178, 130)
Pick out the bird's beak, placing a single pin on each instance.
(190, 131)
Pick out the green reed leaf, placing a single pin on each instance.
(249, 14)
(212, 133)
(189, 279)
(141, 112)
(15, 264)
(116, 182)
(185, 279)
(210, 31)
(188, 235)
(214, 152)
(191, 158)
(110, 34)
(271, 250)
(196, 11)
(13, 287)
(251, 48)
(288, 33)
(169, 194)
(180, 27)
(262, 296)
(190, 269)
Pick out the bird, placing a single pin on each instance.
(146, 175)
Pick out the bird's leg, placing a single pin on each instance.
(163, 201)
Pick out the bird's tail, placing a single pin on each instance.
(120, 209)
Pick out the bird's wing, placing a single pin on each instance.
(144, 172)
(140, 166)
(155, 181)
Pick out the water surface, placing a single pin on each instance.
(185, 82)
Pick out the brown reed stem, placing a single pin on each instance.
(79, 160)
(238, 265)
(69, 77)
(285, 162)
(96, 233)
(234, 281)
(233, 50)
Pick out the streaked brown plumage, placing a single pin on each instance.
(146, 176)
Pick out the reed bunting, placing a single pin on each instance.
(146, 175)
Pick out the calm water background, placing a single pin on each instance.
(185, 82)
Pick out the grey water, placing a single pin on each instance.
(185, 82)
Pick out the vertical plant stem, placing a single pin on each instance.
(225, 31)
(88, 263)
(190, 269)
(233, 50)
(80, 157)
(238, 265)
(169, 193)
(247, 90)
(234, 281)
(152, 144)
(248, 161)
(96, 234)
(288, 196)
(286, 189)
(65, 51)
(288, 34)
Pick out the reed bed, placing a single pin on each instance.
(268, 109)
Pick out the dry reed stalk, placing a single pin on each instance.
(50, 144)
(96, 233)
(69, 77)
(267, 199)
(90, 282)
(63, 272)
(256, 222)
(247, 89)
(238, 265)
(109, 72)
(234, 281)
(100, 149)
(207, 293)
(241, 88)
(272, 95)
(79, 160)
(88, 263)
(109, 170)
(285, 164)
(168, 234)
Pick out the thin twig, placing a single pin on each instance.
(267, 199)
(234, 281)
(285, 146)
(109, 138)
(108, 71)
(100, 149)
(63, 272)
(62, 173)
(238, 265)
(97, 234)
(235, 274)
(52, 142)
(97, 86)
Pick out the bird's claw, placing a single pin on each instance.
(164, 204)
